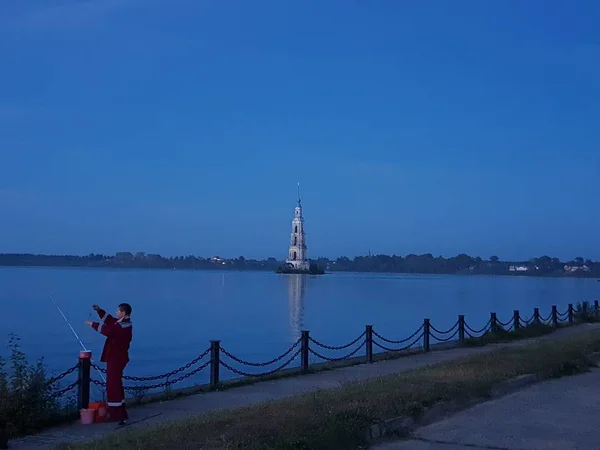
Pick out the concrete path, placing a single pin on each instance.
(270, 390)
(559, 414)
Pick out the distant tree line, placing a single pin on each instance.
(465, 264)
(422, 264)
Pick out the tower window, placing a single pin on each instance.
(296, 229)
(294, 256)
(295, 240)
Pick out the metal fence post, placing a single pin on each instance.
(215, 363)
(596, 308)
(83, 391)
(461, 329)
(570, 312)
(304, 351)
(369, 343)
(554, 316)
(516, 320)
(493, 322)
(536, 316)
(426, 335)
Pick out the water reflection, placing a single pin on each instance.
(296, 285)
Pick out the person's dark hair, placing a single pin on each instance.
(126, 308)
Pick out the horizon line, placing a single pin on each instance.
(368, 255)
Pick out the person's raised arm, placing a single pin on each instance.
(104, 316)
(104, 329)
(113, 330)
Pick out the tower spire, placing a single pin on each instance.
(299, 202)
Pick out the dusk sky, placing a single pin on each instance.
(182, 127)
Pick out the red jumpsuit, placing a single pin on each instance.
(116, 356)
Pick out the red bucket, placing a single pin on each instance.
(99, 411)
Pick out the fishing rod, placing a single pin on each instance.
(74, 333)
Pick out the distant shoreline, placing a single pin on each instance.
(236, 269)
(544, 267)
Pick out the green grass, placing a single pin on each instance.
(530, 331)
(339, 418)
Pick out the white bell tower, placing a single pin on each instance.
(297, 253)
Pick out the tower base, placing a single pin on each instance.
(310, 269)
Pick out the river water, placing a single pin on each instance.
(256, 315)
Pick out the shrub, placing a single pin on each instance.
(584, 312)
(27, 395)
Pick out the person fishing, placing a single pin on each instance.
(119, 333)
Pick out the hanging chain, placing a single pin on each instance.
(326, 358)
(264, 374)
(478, 331)
(262, 364)
(446, 339)
(62, 375)
(406, 347)
(340, 347)
(402, 341)
(431, 327)
(65, 390)
(165, 375)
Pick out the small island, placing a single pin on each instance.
(313, 269)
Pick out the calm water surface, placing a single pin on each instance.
(256, 315)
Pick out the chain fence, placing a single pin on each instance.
(506, 325)
(546, 320)
(164, 385)
(54, 385)
(61, 392)
(525, 322)
(452, 337)
(340, 347)
(57, 378)
(332, 359)
(401, 341)
(261, 364)
(563, 317)
(262, 374)
(410, 345)
(169, 381)
(444, 336)
(472, 333)
(307, 347)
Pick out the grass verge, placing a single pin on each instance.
(500, 335)
(339, 418)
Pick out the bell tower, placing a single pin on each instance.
(297, 252)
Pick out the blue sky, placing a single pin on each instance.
(183, 126)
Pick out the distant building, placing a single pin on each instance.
(297, 251)
(518, 268)
(572, 269)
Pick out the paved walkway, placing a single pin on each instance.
(560, 414)
(269, 390)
